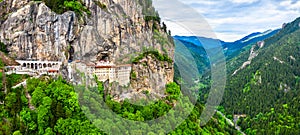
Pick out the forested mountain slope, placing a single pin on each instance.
(197, 52)
(268, 90)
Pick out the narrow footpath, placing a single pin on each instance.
(28, 96)
(230, 122)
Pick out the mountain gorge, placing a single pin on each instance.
(262, 90)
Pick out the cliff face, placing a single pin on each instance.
(32, 31)
(115, 30)
(148, 80)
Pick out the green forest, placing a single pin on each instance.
(267, 91)
(54, 108)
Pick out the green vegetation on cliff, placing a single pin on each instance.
(155, 54)
(3, 47)
(61, 6)
(149, 11)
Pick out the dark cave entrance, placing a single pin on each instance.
(71, 53)
(103, 57)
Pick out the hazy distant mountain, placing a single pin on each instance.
(199, 41)
(231, 49)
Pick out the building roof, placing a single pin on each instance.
(77, 61)
(125, 65)
(103, 66)
(10, 67)
(52, 70)
(90, 64)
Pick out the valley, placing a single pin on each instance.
(262, 82)
(114, 67)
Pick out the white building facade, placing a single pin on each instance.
(35, 67)
(105, 70)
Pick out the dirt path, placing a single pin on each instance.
(28, 96)
(231, 123)
(31, 107)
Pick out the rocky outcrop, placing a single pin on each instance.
(253, 53)
(7, 60)
(151, 74)
(115, 30)
(148, 79)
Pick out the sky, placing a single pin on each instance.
(228, 20)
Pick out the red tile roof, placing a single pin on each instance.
(105, 66)
(52, 70)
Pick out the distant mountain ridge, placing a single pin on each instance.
(231, 49)
(196, 40)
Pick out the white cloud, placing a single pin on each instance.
(182, 19)
(244, 1)
(292, 5)
(232, 19)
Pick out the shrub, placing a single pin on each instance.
(3, 48)
(133, 75)
(154, 53)
(61, 6)
(101, 5)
